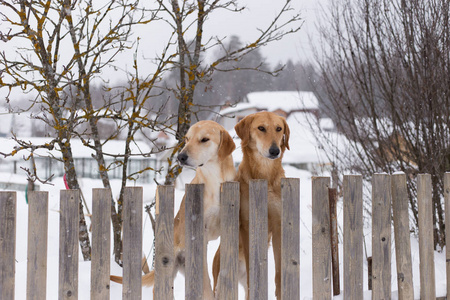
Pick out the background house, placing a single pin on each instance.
(283, 103)
(49, 162)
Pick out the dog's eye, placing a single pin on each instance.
(279, 128)
(261, 128)
(204, 140)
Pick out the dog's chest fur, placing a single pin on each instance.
(213, 176)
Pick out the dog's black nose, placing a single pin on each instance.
(182, 158)
(274, 151)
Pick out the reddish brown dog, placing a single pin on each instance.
(264, 138)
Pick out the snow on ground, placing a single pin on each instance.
(149, 192)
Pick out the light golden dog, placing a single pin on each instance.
(208, 148)
(264, 138)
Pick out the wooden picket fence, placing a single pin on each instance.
(386, 189)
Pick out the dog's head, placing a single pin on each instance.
(206, 141)
(266, 132)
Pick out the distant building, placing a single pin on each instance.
(283, 103)
(49, 162)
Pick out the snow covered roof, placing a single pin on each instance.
(238, 107)
(285, 100)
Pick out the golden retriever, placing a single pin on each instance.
(264, 138)
(208, 148)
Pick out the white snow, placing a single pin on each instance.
(285, 100)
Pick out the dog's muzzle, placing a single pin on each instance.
(274, 152)
(182, 158)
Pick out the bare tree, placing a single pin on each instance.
(384, 69)
(64, 45)
(62, 50)
(190, 68)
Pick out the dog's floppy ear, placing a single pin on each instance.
(227, 144)
(287, 132)
(243, 129)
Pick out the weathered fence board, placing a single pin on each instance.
(229, 241)
(258, 239)
(101, 244)
(385, 188)
(353, 237)
(37, 245)
(426, 244)
(447, 221)
(290, 238)
(381, 236)
(8, 207)
(68, 244)
(334, 240)
(402, 236)
(164, 258)
(132, 243)
(195, 242)
(321, 249)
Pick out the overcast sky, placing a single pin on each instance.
(258, 14)
(295, 47)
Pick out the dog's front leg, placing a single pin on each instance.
(276, 244)
(208, 293)
(244, 238)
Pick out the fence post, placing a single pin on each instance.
(229, 241)
(37, 245)
(258, 238)
(101, 244)
(402, 237)
(8, 207)
(334, 240)
(164, 255)
(132, 243)
(321, 249)
(353, 237)
(195, 242)
(290, 238)
(426, 244)
(381, 236)
(68, 244)
(447, 221)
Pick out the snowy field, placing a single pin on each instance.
(149, 192)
